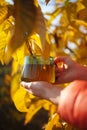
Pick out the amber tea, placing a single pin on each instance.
(38, 69)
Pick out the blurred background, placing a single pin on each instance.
(59, 28)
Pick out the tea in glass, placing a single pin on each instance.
(38, 69)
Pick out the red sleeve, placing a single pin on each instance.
(73, 104)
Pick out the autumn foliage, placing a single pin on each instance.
(29, 27)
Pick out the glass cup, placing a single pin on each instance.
(38, 69)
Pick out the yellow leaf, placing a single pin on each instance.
(5, 36)
(18, 59)
(20, 53)
(25, 13)
(53, 123)
(64, 21)
(19, 95)
(80, 25)
(16, 67)
(34, 44)
(36, 39)
(71, 11)
(46, 105)
(82, 15)
(19, 100)
(46, 50)
(40, 27)
(36, 3)
(3, 13)
(15, 83)
(80, 6)
(33, 109)
(53, 16)
(49, 107)
(82, 52)
(36, 47)
(52, 109)
(3, 2)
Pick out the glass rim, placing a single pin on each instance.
(38, 60)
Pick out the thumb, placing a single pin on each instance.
(36, 88)
(26, 85)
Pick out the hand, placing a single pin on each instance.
(72, 105)
(43, 90)
(68, 71)
(71, 102)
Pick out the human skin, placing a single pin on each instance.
(71, 101)
(69, 71)
(43, 90)
(72, 104)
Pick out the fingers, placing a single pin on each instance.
(60, 59)
(37, 88)
(63, 60)
(43, 90)
(27, 86)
